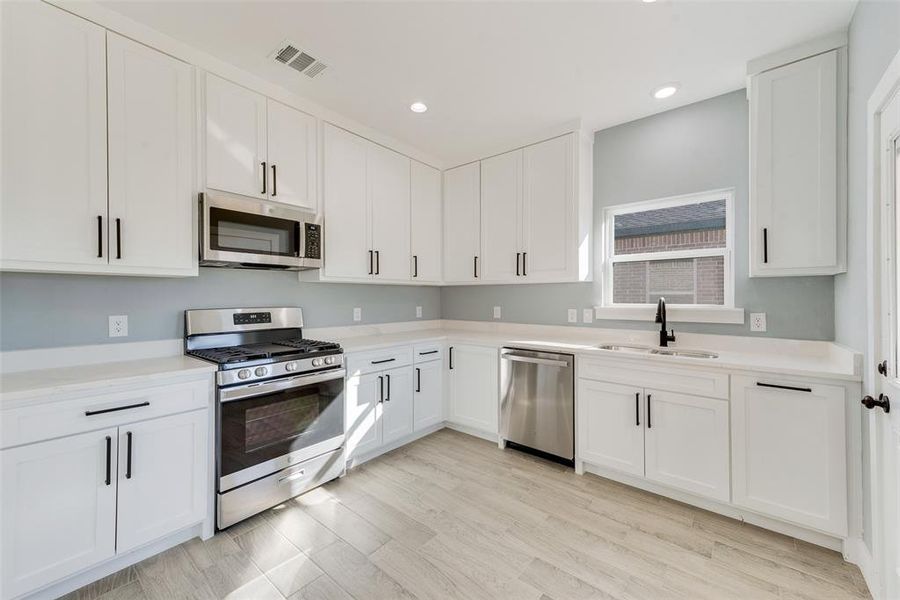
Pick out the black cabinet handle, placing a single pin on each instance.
(381, 362)
(99, 236)
(451, 358)
(274, 182)
(883, 368)
(518, 258)
(637, 409)
(264, 176)
(118, 237)
(427, 353)
(784, 387)
(108, 460)
(418, 379)
(388, 388)
(883, 401)
(524, 264)
(415, 266)
(649, 424)
(91, 413)
(475, 267)
(378, 262)
(128, 457)
(380, 388)
(765, 244)
(371, 263)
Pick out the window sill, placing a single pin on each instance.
(677, 314)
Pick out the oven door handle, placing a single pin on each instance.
(278, 385)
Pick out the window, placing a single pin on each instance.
(677, 248)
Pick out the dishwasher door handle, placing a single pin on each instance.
(537, 361)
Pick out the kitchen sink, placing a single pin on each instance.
(627, 348)
(636, 349)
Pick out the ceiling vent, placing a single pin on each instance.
(289, 54)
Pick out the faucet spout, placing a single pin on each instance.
(664, 336)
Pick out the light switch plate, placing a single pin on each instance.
(587, 315)
(496, 312)
(118, 326)
(418, 312)
(357, 314)
(757, 321)
(573, 315)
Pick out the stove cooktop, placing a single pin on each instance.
(290, 349)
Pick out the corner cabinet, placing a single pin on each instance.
(474, 388)
(798, 166)
(462, 220)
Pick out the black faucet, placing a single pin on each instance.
(664, 337)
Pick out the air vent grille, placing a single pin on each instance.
(289, 54)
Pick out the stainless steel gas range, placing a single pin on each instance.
(279, 409)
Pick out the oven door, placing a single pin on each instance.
(265, 427)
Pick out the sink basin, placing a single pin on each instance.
(686, 353)
(627, 348)
(636, 349)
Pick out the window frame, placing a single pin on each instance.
(727, 253)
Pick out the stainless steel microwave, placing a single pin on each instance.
(246, 233)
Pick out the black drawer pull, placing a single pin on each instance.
(381, 362)
(637, 409)
(381, 388)
(118, 237)
(418, 379)
(108, 460)
(784, 387)
(765, 244)
(649, 423)
(99, 236)
(388, 397)
(128, 457)
(429, 352)
(91, 413)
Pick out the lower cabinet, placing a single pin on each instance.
(474, 387)
(379, 409)
(611, 426)
(788, 451)
(429, 394)
(397, 421)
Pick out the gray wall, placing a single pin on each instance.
(38, 311)
(695, 148)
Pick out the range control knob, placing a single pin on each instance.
(260, 371)
(243, 373)
(329, 360)
(291, 366)
(317, 362)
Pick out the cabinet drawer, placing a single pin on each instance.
(48, 420)
(360, 363)
(427, 352)
(673, 378)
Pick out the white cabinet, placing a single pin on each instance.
(363, 414)
(462, 237)
(789, 451)
(258, 147)
(151, 211)
(798, 167)
(59, 508)
(501, 217)
(474, 387)
(397, 419)
(162, 477)
(610, 426)
(425, 222)
(686, 444)
(428, 409)
(387, 176)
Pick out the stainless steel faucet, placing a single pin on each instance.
(664, 337)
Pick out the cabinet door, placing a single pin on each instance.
(474, 388)
(794, 169)
(462, 205)
(397, 417)
(425, 227)
(388, 185)
(501, 217)
(54, 139)
(548, 208)
(58, 511)
(163, 477)
(235, 139)
(428, 409)
(364, 410)
(789, 451)
(686, 444)
(347, 233)
(611, 426)
(150, 158)
(291, 149)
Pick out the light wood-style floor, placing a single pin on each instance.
(452, 516)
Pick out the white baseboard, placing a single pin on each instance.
(856, 552)
(491, 437)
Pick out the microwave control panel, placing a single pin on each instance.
(313, 240)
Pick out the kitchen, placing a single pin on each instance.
(264, 336)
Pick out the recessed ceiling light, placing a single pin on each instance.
(665, 91)
(418, 107)
(649, 1)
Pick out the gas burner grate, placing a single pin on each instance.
(305, 345)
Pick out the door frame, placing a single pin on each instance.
(871, 561)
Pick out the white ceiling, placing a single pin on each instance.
(495, 74)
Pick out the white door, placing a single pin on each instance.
(462, 237)
(428, 408)
(793, 188)
(548, 223)
(54, 139)
(162, 477)
(474, 387)
(388, 185)
(362, 420)
(425, 226)
(291, 149)
(501, 217)
(235, 139)
(151, 209)
(397, 415)
(611, 426)
(686, 443)
(884, 335)
(58, 510)
(788, 451)
(348, 249)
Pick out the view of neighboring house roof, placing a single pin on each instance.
(691, 217)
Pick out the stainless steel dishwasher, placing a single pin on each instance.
(537, 401)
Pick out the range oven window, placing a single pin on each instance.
(235, 231)
(255, 430)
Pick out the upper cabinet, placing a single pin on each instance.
(462, 239)
(258, 147)
(425, 222)
(798, 159)
(70, 204)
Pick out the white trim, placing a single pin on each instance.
(678, 313)
(795, 53)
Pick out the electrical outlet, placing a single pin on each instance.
(357, 314)
(418, 312)
(118, 326)
(587, 315)
(757, 321)
(573, 315)
(496, 312)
